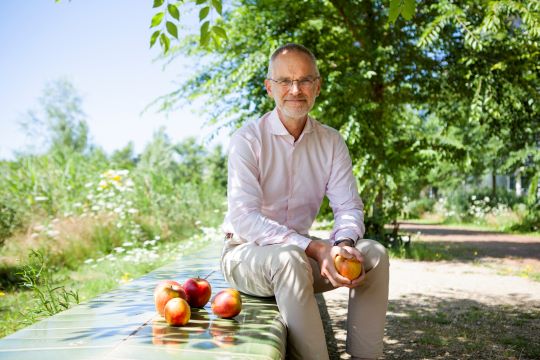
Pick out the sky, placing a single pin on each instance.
(102, 48)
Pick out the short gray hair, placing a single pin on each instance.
(291, 47)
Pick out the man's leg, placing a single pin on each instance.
(283, 271)
(366, 316)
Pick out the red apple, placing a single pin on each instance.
(166, 291)
(198, 292)
(350, 268)
(227, 303)
(177, 312)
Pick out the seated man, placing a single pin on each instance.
(280, 168)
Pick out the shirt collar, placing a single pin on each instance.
(277, 127)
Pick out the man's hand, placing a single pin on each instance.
(349, 252)
(325, 253)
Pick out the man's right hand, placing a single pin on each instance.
(324, 253)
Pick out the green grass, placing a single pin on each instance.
(469, 226)
(20, 307)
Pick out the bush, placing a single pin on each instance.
(414, 209)
(8, 222)
(473, 205)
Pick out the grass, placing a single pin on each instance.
(491, 227)
(20, 307)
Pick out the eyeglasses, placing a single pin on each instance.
(304, 84)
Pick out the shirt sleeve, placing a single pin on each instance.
(244, 196)
(342, 192)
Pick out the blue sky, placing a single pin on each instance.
(102, 47)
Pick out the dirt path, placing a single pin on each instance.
(459, 309)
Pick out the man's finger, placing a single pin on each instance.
(358, 280)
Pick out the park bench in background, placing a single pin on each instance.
(123, 324)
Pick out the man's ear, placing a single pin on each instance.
(268, 86)
(319, 84)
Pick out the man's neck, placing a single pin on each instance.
(294, 126)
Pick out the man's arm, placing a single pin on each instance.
(348, 219)
(342, 192)
(245, 198)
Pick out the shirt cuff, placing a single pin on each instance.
(298, 240)
(346, 234)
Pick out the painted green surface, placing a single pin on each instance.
(123, 324)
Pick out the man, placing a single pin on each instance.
(280, 168)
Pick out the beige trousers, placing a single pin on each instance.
(286, 272)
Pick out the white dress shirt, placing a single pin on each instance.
(276, 185)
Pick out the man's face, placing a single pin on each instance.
(296, 101)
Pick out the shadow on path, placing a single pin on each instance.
(428, 327)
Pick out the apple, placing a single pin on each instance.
(177, 312)
(166, 291)
(227, 303)
(350, 268)
(198, 291)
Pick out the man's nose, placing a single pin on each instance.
(295, 89)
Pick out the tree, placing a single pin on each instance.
(372, 75)
(407, 96)
(61, 118)
(488, 90)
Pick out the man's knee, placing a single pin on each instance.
(374, 253)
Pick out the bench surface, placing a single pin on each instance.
(123, 324)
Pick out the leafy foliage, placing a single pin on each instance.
(451, 93)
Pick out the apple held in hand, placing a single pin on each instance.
(177, 312)
(350, 268)
(227, 303)
(198, 292)
(166, 291)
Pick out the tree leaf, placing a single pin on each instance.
(205, 34)
(408, 7)
(156, 20)
(173, 10)
(165, 42)
(199, 2)
(204, 13)
(217, 5)
(393, 13)
(158, 3)
(171, 28)
(154, 37)
(219, 31)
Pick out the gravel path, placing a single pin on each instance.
(428, 287)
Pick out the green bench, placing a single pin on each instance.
(123, 324)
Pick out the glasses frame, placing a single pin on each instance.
(301, 83)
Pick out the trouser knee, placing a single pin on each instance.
(374, 253)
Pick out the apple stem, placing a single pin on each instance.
(211, 272)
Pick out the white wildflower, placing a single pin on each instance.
(41, 198)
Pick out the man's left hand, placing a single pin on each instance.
(349, 252)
